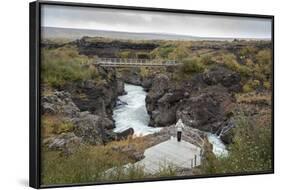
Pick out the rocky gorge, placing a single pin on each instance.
(87, 106)
(205, 101)
(202, 102)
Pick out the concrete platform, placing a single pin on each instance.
(170, 153)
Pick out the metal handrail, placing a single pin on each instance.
(134, 61)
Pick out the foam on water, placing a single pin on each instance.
(132, 112)
(219, 148)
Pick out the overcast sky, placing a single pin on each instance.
(155, 22)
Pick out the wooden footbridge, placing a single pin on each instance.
(120, 62)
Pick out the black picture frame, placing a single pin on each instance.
(34, 98)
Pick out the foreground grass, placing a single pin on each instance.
(89, 163)
(86, 165)
(251, 150)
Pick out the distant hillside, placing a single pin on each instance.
(71, 33)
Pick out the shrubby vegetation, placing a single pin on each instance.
(255, 69)
(250, 85)
(90, 163)
(63, 65)
(172, 51)
(248, 51)
(250, 151)
(207, 60)
(229, 60)
(53, 125)
(87, 164)
(163, 51)
(126, 54)
(190, 66)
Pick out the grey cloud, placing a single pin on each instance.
(144, 21)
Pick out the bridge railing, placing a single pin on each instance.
(134, 61)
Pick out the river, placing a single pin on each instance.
(131, 112)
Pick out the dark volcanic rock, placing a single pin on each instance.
(131, 76)
(223, 76)
(91, 128)
(163, 99)
(130, 150)
(147, 83)
(88, 128)
(208, 111)
(98, 98)
(163, 116)
(65, 142)
(227, 138)
(90, 46)
(120, 87)
(59, 102)
(124, 134)
(227, 133)
(159, 87)
(204, 101)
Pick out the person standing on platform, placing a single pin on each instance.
(179, 127)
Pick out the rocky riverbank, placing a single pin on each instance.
(203, 102)
(86, 107)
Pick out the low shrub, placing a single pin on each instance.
(63, 65)
(267, 85)
(126, 54)
(247, 51)
(250, 85)
(207, 60)
(230, 61)
(251, 150)
(263, 65)
(180, 52)
(144, 72)
(190, 66)
(162, 52)
(86, 165)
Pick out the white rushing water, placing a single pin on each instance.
(219, 148)
(131, 113)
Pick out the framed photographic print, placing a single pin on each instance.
(131, 94)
